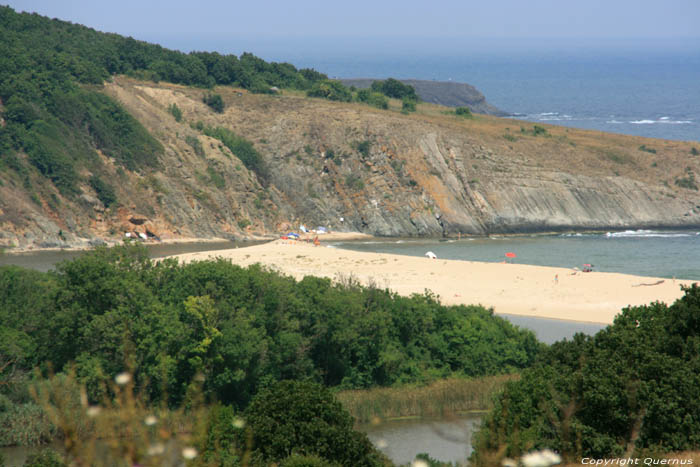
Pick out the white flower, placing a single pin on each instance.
(382, 443)
(419, 463)
(93, 411)
(238, 423)
(150, 420)
(189, 453)
(508, 462)
(544, 458)
(122, 378)
(155, 449)
(551, 456)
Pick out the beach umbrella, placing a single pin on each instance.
(510, 254)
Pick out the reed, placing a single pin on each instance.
(442, 398)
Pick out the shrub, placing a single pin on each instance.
(647, 149)
(214, 101)
(195, 144)
(303, 418)
(694, 151)
(394, 88)
(104, 191)
(175, 111)
(687, 182)
(408, 105)
(354, 182)
(463, 112)
(331, 90)
(242, 149)
(629, 389)
(362, 147)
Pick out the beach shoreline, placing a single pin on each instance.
(515, 289)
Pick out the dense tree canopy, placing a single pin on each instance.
(631, 388)
(241, 328)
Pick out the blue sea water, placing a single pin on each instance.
(654, 253)
(653, 93)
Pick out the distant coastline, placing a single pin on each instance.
(447, 93)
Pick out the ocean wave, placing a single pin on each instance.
(662, 120)
(646, 234)
(550, 117)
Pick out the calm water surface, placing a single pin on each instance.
(46, 260)
(445, 440)
(641, 252)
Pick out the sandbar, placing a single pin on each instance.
(517, 289)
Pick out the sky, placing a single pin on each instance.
(279, 27)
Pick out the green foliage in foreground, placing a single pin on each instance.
(242, 329)
(633, 388)
(294, 419)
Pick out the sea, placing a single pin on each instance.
(645, 89)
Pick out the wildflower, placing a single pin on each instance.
(382, 443)
(93, 411)
(155, 449)
(122, 378)
(189, 453)
(419, 463)
(238, 423)
(150, 420)
(544, 458)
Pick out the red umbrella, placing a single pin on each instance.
(510, 255)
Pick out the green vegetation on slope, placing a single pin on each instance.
(630, 390)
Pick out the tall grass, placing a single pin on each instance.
(439, 399)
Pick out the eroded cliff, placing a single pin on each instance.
(425, 174)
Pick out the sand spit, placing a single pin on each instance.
(517, 289)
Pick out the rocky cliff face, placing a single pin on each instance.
(383, 173)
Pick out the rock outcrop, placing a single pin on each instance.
(447, 93)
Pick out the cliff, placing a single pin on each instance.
(447, 93)
(425, 174)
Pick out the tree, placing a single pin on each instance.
(295, 417)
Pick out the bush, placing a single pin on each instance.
(45, 458)
(195, 144)
(104, 191)
(331, 90)
(242, 149)
(631, 387)
(363, 147)
(408, 105)
(463, 112)
(694, 151)
(214, 101)
(394, 88)
(295, 417)
(175, 111)
(647, 149)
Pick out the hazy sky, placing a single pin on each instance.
(211, 24)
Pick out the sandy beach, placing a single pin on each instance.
(517, 289)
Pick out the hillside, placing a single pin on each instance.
(101, 135)
(384, 173)
(447, 93)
